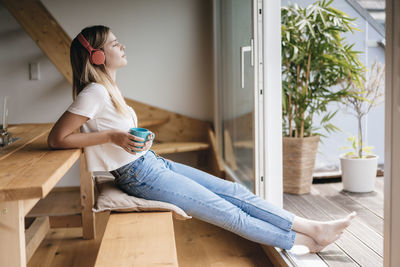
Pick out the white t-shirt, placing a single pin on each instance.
(95, 103)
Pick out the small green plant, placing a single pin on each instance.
(364, 97)
(355, 153)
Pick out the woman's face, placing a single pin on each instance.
(115, 53)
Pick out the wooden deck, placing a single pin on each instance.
(362, 243)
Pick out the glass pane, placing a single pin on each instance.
(237, 102)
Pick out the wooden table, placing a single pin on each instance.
(28, 172)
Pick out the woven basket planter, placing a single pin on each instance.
(298, 163)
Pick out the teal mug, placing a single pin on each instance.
(143, 133)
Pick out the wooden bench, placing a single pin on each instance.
(130, 239)
(138, 239)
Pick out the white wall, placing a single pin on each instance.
(169, 52)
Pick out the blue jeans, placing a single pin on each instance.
(226, 204)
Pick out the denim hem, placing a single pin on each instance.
(293, 238)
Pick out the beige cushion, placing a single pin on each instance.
(111, 197)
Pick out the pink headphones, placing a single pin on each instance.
(97, 56)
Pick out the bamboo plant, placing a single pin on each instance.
(315, 58)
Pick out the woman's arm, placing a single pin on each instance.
(65, 134)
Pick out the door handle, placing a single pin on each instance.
(244, 49)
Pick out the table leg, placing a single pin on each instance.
(87, 201)
(12, 234)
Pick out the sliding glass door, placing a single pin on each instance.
(236, 84)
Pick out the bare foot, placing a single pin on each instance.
(310, 243)
(327, 232)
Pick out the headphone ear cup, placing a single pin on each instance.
(98, 57)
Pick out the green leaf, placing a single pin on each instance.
(317, 28)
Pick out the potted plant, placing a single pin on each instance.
(359, 166)
(314, 59)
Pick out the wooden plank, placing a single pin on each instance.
(49, 249)
(201, 244)
(45, 31)
(58, 203)
(358, 228)
(347, 203)
(35, 234)
(333, 255)
(87, 200)
(34, 170)
(152, 123)
(29, 204)
(372, 201)
(180, 128)
(179, 147)
(64, 247)
(138, 239)
(12, 232)
(363, 249)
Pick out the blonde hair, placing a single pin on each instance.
(84, 72)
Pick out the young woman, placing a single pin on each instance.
(105, 119)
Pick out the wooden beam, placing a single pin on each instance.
(35, 234)
(45, 31)
(179, 147)
(29, 204)
(12, 233)
(87, 200)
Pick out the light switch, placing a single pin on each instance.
(34, 71)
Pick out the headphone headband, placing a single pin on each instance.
(97, 56)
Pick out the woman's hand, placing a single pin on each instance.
(148, 144)
(127, 141)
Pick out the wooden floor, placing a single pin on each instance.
(198, 244)
(362, 243)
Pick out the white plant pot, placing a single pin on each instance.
(358, 175)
